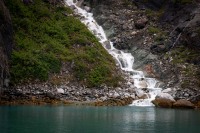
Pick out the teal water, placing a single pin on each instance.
(83, 119)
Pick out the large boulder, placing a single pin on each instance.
(165, 96)
(163, 102)
(182, 103)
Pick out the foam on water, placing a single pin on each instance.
(125, 60)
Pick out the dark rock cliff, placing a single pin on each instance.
(6, 43)
(163, 36)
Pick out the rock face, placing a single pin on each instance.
(6, 43)
(153, 36)
(127, 27)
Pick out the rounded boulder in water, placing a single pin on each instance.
(165, 96)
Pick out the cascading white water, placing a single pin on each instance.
(126, 60)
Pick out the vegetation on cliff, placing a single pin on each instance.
(47, 36)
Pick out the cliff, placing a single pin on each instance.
(161, 35)
(6, 44)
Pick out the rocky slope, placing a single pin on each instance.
(163, 36)
(6, 44)
(56, 58)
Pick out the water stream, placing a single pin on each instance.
(125, 60)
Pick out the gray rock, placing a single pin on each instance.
(165, 96)
(139, 92)
(141, 23)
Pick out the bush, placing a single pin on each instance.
(45, 38)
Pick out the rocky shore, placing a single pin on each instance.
(68, 93)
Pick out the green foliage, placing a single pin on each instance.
(160, 34)
(93, 66)
(45, 37)
(154, 30)
(184, 54)
(184, 57)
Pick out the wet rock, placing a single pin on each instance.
(168, 90)
(145, 96)
(107, 45)
(182, 103)
(88, 9)
(142, 84)
(163, 102)
(133, 96)
(140, 93)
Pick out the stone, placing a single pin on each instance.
(141, 23)
(140, 93)
(115, 95)
(87, 8)
(60, 90)
(182, 103)
(142, 84)
(186, 95)
(107, 44)
(163, 102)
(103, 98)
(127, 95)
(133, 96)
(168, 90)
(145, 96)
(131, 90)
(165, 96)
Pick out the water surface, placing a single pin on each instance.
(83, 119)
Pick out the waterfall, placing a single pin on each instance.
(125, 60)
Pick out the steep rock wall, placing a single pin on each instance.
(6, 42)
(167, 29)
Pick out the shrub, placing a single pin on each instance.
(45, 38)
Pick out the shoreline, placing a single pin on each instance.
(32, 100)
(45, 100)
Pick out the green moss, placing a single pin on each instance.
(45, 37)
(184, 54)
(154, 30)
(160, 34)
(183, 57)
